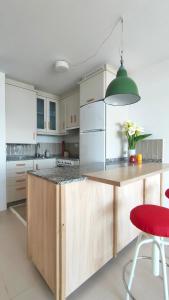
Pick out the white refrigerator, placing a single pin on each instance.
(92, 133)
(100, 132)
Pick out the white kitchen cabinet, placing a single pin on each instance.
(72, 110)
(62, 117)
(44, 163)
(41, 114)
(47, 115)
(16, 179)
(52, 116)
(16, 176)
(76, 109)
(20, 105)
(93, 87)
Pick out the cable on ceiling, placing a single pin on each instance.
(119, 20)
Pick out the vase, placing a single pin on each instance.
(132, 152)
(132, 156)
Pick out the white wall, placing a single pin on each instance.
(115, 140)
(152, 112)
(2, 144)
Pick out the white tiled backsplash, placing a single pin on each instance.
(53, 149)
(151, 149)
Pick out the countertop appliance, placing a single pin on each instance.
(100, 132)
(61, 162)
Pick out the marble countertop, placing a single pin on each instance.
(67, 174)
(29, 157)
(115, 173)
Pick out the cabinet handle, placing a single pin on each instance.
(20, 180)
(20, 172)
(20, 165)
(21, 188)
(90, 100)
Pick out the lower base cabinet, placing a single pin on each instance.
(17, 176)
(16, 179)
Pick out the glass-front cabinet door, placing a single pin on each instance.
(52, 116)
(41, 114)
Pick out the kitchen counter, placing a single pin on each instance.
(29, 157)
(120, 176)
(74, 211)
(67, 174)
(114, 173)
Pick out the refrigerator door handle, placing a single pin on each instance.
(92, 130)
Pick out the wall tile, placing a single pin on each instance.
(151, 149)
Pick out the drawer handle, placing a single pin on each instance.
(20, 180)
(21, 188)
(90, 100)
(20, 165)
(20, 172)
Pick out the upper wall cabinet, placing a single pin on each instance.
(52, 116)
(72, 106)
(20, 114)
(62, 116)
(93, 87)
(41, 114)
(47, 115)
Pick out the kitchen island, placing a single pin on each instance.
(78, 217)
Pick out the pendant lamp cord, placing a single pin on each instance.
(122, 41)
(119, 20)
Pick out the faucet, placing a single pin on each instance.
(37, 154)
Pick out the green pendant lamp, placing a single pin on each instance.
(122, 90)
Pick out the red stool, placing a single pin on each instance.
(167, 193)
(153, 221)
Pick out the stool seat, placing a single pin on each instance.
(167, 193)
(152, 219)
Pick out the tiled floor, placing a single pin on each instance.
(19, 280)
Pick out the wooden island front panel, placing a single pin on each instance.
(88, 230)
(75, 228)
(42, 226)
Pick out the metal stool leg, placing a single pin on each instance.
(138, 246)
(165, 282)
(156, 256)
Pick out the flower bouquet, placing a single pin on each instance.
(134, 135)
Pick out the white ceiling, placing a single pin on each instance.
(33, 34)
